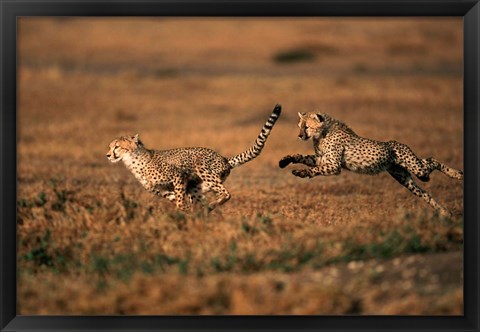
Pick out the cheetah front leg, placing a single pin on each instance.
(193, 196)
(329, 164)
(309, 160)
(324, 170)
(164, 189)
(179, 189)
(405, 179)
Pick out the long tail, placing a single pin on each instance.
(255, 150)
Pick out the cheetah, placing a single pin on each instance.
(337, 146)
(184, 175)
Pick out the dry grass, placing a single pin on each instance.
(92, 241)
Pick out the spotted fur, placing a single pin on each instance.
(337, 146)
(184, 175)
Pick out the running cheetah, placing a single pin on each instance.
(337, 146)
(181, 172)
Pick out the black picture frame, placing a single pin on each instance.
(11, 10)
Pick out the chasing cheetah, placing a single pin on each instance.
(181, 172)
(337, 146)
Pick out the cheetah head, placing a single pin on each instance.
(311, 125)
(121, 146)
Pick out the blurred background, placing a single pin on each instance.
(92, 241)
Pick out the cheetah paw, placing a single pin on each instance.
(284, 161)
(301, 173)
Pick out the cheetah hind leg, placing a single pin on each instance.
(221, 193)
(433, 164)
(405, 179)
(422, 168)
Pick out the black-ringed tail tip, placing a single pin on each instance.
(278, 109)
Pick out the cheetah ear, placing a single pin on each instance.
(301, 115)
(135, 138)
(320, 117)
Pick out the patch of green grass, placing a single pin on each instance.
(294, 55)
(162, 260)
(394, 243)
(45, 253)
(248, 228)
(288, 259)
(165, 72)
(415, 245)
(123, 266)
(129, 205)
(38, 201)
(265, 220)
(62, 196)
(183, 266)
(228, 263)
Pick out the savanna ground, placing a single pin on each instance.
(91, 240)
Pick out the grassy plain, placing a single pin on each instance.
(92, 241)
